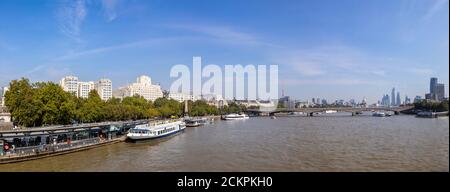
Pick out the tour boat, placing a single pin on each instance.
(195, 122)
(155, 130)
(295, 114)
(234, 116)
(379, 114)
(192, 123)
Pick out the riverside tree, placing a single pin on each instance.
(46, 103)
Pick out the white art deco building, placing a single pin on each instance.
(143, 87)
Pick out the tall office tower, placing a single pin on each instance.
(433, 84)
(399, 102)
(440, 92)
(393, 101)
(407, 100)
(70, 84)
(385, 101)
(104, 89)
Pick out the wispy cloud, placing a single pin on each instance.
(223, 34)
(47, 71)
(147, 42)
(420, 71)
(330, 59)
(71, 15)
(109, 9)
(328, 81)
(434, 8)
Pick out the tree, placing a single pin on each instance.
(20, 102)
(168, 107)
(57, 106)
(91, 109)
(201, 108)
(46, 103)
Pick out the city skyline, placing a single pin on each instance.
(143, 81)
(333, 49)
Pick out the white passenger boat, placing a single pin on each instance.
(379, 114)
(195, 122)
(192, 123)
(155, 130)
(234, 116)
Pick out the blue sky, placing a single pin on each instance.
(328, 49)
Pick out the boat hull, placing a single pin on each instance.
(150, 137)
(239, 118)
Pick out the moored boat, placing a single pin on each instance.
(155, 130)
(192, 123)
(330, 111)
(379, 114)
(195, 122)
(234, 116)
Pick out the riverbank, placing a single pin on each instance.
(34, 143)
(432, 114)
(58, 140)
(59, 149)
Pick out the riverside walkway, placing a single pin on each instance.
(40, 142)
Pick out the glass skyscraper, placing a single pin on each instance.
(433, 84)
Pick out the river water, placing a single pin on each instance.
(323, 143)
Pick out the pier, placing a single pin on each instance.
(34, 143)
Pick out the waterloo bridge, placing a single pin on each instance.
(311, 110)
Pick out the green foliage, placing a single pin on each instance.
(280, 106)
(92, 109)
(21, 102)
(426, 105)
(46, 103)
(233, 107)
(201, 108)
(168, 107)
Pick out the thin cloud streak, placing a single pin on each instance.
(223, 34)
(109, 9)
(148, 42)
(71, 15)
(330, 59)
(420, 71)
(435, 8)
(343, 81)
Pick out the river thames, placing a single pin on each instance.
(323, 143)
